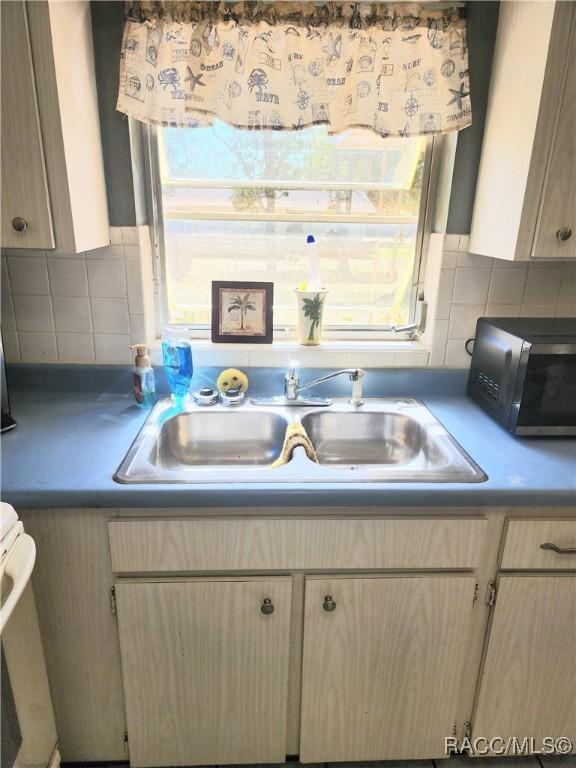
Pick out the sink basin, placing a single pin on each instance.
(365, 438)
(386, 440)
(220, 437)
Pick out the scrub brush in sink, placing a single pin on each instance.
(295, 436)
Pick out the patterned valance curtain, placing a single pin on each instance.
(396, 69)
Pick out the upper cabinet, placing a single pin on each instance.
(53, 186)
(525, 207)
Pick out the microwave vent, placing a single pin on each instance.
(487, 384)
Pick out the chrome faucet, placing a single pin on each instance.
(292, 387)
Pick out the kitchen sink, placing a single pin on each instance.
(385, 440)
(365, 437)
(228, 437)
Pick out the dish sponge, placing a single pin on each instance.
(232, 378)
(295, 436)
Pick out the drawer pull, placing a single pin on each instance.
(267, 606)
(329, 604)
(559, 550)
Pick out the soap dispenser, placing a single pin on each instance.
(144, 380)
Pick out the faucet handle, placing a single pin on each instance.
(293, 366)
(291, 381)
(357, 373)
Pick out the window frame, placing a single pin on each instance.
(284, 333)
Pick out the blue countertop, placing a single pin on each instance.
(71, 438)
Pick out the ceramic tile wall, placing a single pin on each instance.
(86, 308)
(78, 308)
(474, 286)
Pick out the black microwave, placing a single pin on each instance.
(523, 373)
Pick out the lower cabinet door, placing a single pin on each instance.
(382, 665)
(205, 669)
(528, 682)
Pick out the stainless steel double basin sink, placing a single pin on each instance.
(385, 440)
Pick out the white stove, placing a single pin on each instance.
(28, 729)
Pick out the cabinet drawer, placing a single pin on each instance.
(523, 545)
(140, 546)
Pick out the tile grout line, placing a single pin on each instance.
(58, 358)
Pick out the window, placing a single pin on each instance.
(238, 204)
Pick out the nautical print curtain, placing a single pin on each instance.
(396, 69)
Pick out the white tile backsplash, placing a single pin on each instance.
(538, 310)
(130, 235)
(72, 314)
(452, 243)
(38, 347)
(107, 279)
(28, 276)
(116, 235)
(11, 346)
(472, 260)
(7, 316)
(137, 329)
(542, 286)
(445, 290)
(456, 355)
(110, 315)
(471, 285)
(75, 347)
(90, 307)
(33, 313)
(134, 283)
(131, 253)
(486, 287)
(73, 308)
(567, 293)
(68, 277)
(439, 338)
(503, 310)
(5, 280)
(507, 286)
(463, 319)
(112, 348)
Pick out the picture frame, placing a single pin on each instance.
(242, 312)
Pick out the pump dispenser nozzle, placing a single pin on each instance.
(143, 359)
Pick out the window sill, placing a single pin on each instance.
(330, 354)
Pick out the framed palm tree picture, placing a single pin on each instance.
(242, 312)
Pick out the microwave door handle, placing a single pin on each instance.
(558, 550)
(18, 567)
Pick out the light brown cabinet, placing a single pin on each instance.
(25, 201)
(525, 205)
(53, 186)
(528, 682)
(205, 669)
(382, 665)
(556, 225)
(192, 669)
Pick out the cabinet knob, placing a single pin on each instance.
(19, 224)
(329, 604)
(267, 606)
(563, 234)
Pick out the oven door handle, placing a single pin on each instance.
(559, 550)
(18, 566)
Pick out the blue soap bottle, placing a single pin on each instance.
(177, 357)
